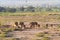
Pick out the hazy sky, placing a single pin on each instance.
(29, 2)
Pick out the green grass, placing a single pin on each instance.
(26, 13)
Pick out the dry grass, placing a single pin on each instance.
(28, 16)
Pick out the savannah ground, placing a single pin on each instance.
(29, 16)
(32, 34)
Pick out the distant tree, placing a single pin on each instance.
(2, 9)
(49, 9)
(22, 9)
(31, 9)
(12, 10)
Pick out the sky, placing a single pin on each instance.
(27, 2)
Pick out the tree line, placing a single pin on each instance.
(29, 9)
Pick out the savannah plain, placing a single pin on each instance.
(41, 33)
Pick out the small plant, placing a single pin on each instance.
(45, 38)
(2, 35)
(7, 38)
(38, 39)
(40, 35)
